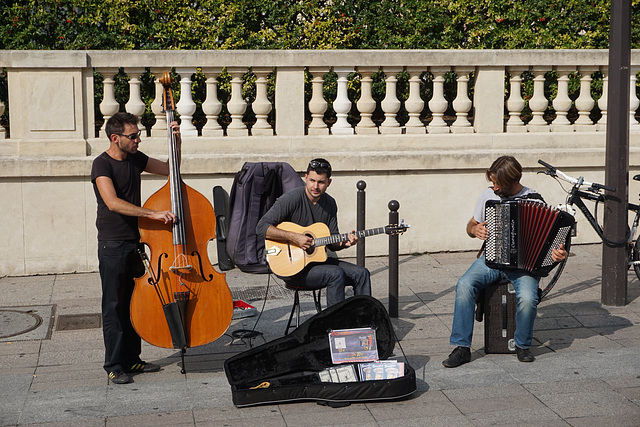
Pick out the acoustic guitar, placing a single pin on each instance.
(287, 259)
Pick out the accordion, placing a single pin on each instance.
(523, 233)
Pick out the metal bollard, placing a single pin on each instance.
(360, 221)
(393, 260)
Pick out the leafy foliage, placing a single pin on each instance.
(308, 24)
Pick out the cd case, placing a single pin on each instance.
(353, 345)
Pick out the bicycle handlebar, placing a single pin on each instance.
(578, 182)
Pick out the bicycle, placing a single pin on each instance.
(593, 192)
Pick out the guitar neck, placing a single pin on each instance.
(335, 238)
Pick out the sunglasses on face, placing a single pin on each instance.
(316, 164)
(131, 136)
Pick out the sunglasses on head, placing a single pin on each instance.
(131, 136)
(316, 164)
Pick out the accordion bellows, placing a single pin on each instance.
(523, 233)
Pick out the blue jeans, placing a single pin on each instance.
(478, 277)
(335, 275)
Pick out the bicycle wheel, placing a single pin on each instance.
(547, 283)
(635, 256)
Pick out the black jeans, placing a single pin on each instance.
(119, 264)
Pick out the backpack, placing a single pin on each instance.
(255, 188)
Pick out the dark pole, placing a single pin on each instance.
(393, 260)
(360, 219)
(614, 257)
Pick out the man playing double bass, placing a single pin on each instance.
(115, 175)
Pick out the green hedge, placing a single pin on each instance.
(308, 24)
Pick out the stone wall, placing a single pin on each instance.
(49, 207)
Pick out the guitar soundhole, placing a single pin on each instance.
(310, 250)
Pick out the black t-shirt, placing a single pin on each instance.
(125, 175)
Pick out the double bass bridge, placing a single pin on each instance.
(181, 268)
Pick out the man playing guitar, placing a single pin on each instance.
(309, 205)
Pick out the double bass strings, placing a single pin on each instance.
(180, 265)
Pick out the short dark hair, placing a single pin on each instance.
(505, 170)
(320, 166)
(116, 123)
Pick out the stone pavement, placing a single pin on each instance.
(587, 371)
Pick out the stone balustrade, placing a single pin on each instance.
(419, 126)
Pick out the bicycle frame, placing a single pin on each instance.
(576, 199)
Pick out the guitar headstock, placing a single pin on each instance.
(396, 228)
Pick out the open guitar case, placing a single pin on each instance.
(286, 369)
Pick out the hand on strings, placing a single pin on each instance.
(302, 240)
(559, 254)
(353, 239)
(176, 131)
(166, 216)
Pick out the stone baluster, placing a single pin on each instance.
(237, 106)
(185, 106)
(317, 103)
(633, 101)
(462, 104)
(562, 102)
(601, 126)
(211, 107)
(261, 105)
(109, 106)
(391, 104)
(538, 103)
(366, 104)
(3, 131)
(515, 103)
(438, 103)
(342, 104)
(414, 104)
(160, 127)
(585, 102)
(135, 105)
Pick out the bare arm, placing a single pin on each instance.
(116, 204)
(477, 229)
(158, 167)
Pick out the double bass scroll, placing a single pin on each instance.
(181, 301)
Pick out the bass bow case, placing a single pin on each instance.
(286, 369)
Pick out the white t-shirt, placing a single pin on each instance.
(488, 194)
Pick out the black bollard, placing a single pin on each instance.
(360, 221)
(393, 260)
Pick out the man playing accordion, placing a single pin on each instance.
(505, 174)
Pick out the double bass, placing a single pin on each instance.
(181, 301)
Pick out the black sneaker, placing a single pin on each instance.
(524, 354)
(141, 367)
(119, 377)
(459, 356)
